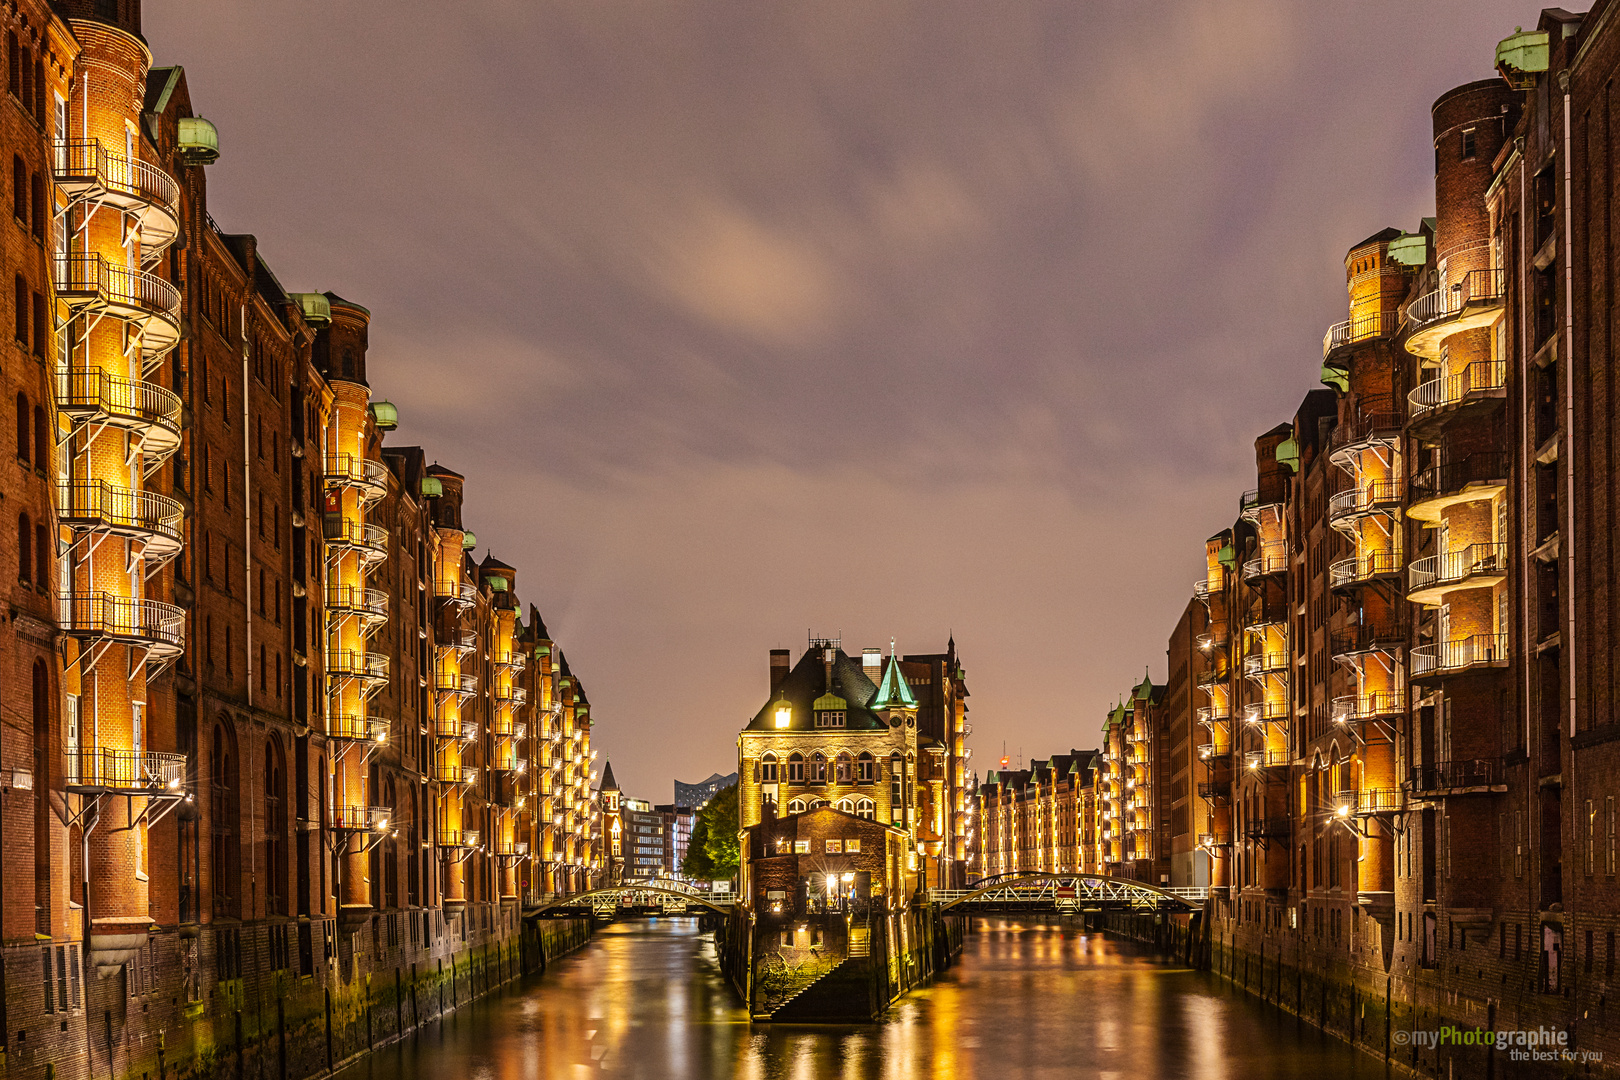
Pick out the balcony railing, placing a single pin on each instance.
(1479, 377)
(462, 641)
(463, 593)
(1377, 497)
(98, 505)
(1450, 656)
(1353, 708)
(516, 695)
(360, 818)
(460, 685)
(1210, 676)
(1486, 468)
(370, 603)
(459, 730)
(1375, 634)
(1268, 610)
(1371, 801)
(1268, 562)
(1478, 288)
(1213, 638)
(1359, 568)
(371, 541)
(1375, 426)
(1213, 714)
(1265, 759)
(357, 727)
(1201, 589)
(89, 282)
(1457, 567)
(1444, 776)
(94, 396)
(455, 774)
(1214, 840)
(458, 838)
(1252, 504)
(354, 664)
(1267, 829)
(152, 624)
(99, 769)
(347, 470)
(88, 170)
(1265, 712)
(1365, 327)
(1215, 791)
(1265, 663)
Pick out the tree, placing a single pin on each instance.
(712, 854)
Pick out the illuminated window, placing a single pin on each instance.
(841, 769)
(867, 809)
(865, 768)
(830, 718)
(767, 769)
(818, 768)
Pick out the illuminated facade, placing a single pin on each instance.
(855, 735)
(1040, 819)
(272, 733)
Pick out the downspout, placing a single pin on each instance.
(247, 509)
(1569, 388)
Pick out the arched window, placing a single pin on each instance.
(275, 826)
(867, 809)
(25, 549)
(841, 773)
(22, 429)
(42, 444)
(222, 779)
(818, 768)
(846, 805)
(767, 768)
(865, 768)
(795, 768)
(796, 806)
(21, 310)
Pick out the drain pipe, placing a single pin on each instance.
(1569, 387)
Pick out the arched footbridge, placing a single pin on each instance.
(660, 897)
(1065, 894)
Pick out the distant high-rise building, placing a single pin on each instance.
(698, 795)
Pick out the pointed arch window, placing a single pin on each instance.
(795, 768)
(841, 768)
(865, 768)
(818, 768)
(767, 768)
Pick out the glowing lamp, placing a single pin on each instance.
(784, 713)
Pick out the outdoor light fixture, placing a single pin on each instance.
(784, 713)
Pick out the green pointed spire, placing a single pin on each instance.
(894, 691)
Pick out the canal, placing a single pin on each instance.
(647, 1000)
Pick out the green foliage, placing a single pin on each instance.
(713, 853)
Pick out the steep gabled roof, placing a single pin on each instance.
(894, 691)
(608, 783)
(808, 681)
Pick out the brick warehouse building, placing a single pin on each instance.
(1405, 740)
(285, 759)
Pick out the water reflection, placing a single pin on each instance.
(647, 1000)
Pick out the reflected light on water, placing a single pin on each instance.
(647, 1000)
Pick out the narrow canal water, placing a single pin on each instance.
(647, 1000)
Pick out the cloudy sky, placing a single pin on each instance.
(890, 318)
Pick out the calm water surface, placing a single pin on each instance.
(1028, 1000)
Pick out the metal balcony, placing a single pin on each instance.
(1213, 675)
(458, 641)
(152, 625)
(1255, 760)
(1201, 589)
(458, 593)
(1210, 715)
(1377, 705)
(1268, 829)
(1480, 475)
(1214, 840)
(1468, 304)
(458, 838)
(457, 685)
(369, 667)
(97, 506)
(368, 477)
(1375, 635)
(1215, 791)
(1359, 569)
(89, 284)
(1365, 327)
(1462, 777)
(465, 775)
(86, 171)
(360, 818)
(371, 605)
(1266, 611)
(1476, 566)
(1461, 655)
(457, 730)
(1378, 426)
(123, 772)
(1376, 497)
(1264, 564)
(1252, 506)
(513, 695)
(1368, 803)
(1260, 664)
(356, 727)
(370, 542)
(1265, 712)
(147, 411)
(1478, 387)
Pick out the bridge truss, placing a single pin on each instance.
(1065, 894)
(659, 897)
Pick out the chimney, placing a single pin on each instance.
(779, 668)
(827, 656)
(872, 663)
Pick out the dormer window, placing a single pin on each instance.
(830, 710)
(830, 718)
